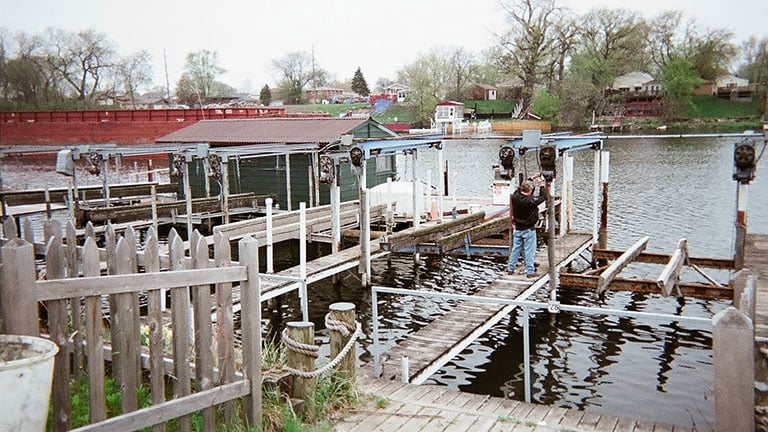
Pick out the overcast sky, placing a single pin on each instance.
(380, 37)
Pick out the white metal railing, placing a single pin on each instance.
(526, 305)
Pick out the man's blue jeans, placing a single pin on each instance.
(524, 241)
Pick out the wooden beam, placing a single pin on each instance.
(430, 232)
(485, 229)
(621, 262)
(697, 290)
(662, 258)
(144, 211)
(37, 196)
(670, 275)
(135, 282)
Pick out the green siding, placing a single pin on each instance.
(264, 176)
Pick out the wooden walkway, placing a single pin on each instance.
(434, 345)
(318, 269)
(395, 406)
(756, 260)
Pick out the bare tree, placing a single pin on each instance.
(529, 45)
(135, 71)
(754, 64)
(294, 71)
(566, 33)
(664, 36)
(201, 68)
(461, 67)
(614, 41)
(81, 60)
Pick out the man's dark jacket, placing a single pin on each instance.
(525, 209)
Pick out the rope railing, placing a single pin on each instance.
(312, 350)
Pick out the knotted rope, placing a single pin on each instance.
(312, 350)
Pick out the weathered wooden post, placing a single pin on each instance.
(734, 370)
(341, 322)
(301, 354)
(270, 265)
(250, 292)
(604, 171)
(17, 291)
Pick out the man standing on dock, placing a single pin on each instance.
(523, 216)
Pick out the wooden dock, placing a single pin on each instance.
(434, 345)
(756, 260)
(396, 406)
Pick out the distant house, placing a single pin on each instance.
(448, 112)
(734, 88)
(397, 92)
(652, 87)
(727, 87)
(483, 92)
(146, 101)
(632, 82)
(315, 95)
(731, 81)
(510, 89)
(106, 99)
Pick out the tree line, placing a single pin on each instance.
(562, 61)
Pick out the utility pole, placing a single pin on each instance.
(314, 77)
(167, 82)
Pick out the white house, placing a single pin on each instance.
(731, 81)
(449, 112)
(631, 82)
(397, 92)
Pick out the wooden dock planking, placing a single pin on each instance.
(431, 408)
(756, 260)
(428, 344)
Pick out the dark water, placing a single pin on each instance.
(659, 370)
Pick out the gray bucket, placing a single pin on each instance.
(26, 371)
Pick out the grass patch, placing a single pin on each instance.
(399, 113)
(382, 402)
(707, 107)
(490, 107)
(333, 109)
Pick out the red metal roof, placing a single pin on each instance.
(264, 130)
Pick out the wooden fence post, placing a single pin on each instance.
(344, 313)
(250, 297)
(180, 321)
(70, 234)
(18, 301)
(225, 326)
(57, 327)
(302, 332)
(155, 322)
(734, 370)
(128, 345)
(201, 297)
(95, 344)
(10, 229)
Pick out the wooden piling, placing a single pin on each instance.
(734, 371)
(345, 313)
(302, 332)
(19, 305)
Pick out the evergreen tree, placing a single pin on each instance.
(359, 85)
(265, 96)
